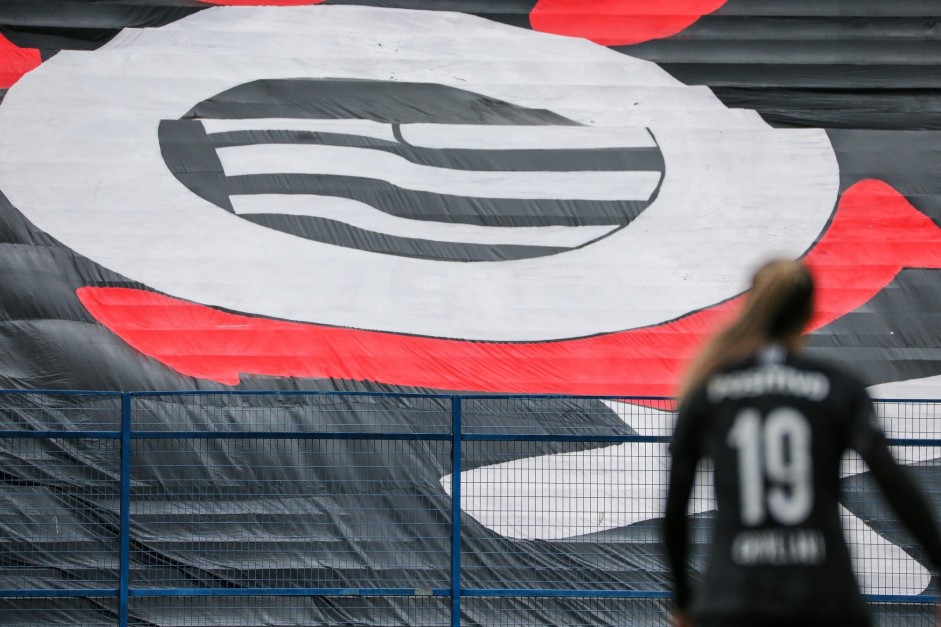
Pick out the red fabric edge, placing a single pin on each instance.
(874, 233)
(619, 22)
(15, 62)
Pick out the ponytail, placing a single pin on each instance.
(777, 308)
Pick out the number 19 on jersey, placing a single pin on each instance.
(774, 465)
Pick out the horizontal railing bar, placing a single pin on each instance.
(614, 397)
(475, 396)
(68, 435)
(914, 441)
(152, 393)
(65, 593)
(306, 435)
(927, 599)
(575, 594)
(282, 435)
(288, 592)
(656, 594)
(66, 392)
(436, 592)
(497, 437)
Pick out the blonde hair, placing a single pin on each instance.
(777, 308)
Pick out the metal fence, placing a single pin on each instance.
(281, 508)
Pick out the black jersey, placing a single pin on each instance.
(775, 427)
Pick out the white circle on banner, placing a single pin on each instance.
(81, 159)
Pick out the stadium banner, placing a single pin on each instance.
(467, 196)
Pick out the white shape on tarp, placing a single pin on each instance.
(80, 157)
(566, 495)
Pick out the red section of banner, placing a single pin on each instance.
(619, 22)
(263, 3)
(875, 232)
(15, 62)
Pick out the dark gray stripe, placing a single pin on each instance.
(839, 108)
(58, 24)
(895, 336)
(380, 101)
(418, 205)
(909, 161)
(342, 234)
(810, 49)
(646, 159)
(193, 160)
(812, 63)
(478, 7)
(837, 76)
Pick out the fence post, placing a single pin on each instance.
(456, 511)
(125, 533)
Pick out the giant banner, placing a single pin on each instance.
(537, 197)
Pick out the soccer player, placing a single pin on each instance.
(775, 424)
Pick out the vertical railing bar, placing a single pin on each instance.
(456, 511)
(125, 533)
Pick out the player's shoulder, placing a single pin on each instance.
(841, 376)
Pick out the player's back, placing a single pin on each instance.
(775, 427)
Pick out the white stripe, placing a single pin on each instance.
(910, 419)
(365, 128)
(880, 566)
(460, 136)
(646, 421)
(363, 216)
(564, 495)
(489, 137)
(342, 161)
(927, 388)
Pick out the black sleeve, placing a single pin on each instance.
(894, 480)
(685, 452)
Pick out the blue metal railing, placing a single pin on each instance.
(58, 417)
